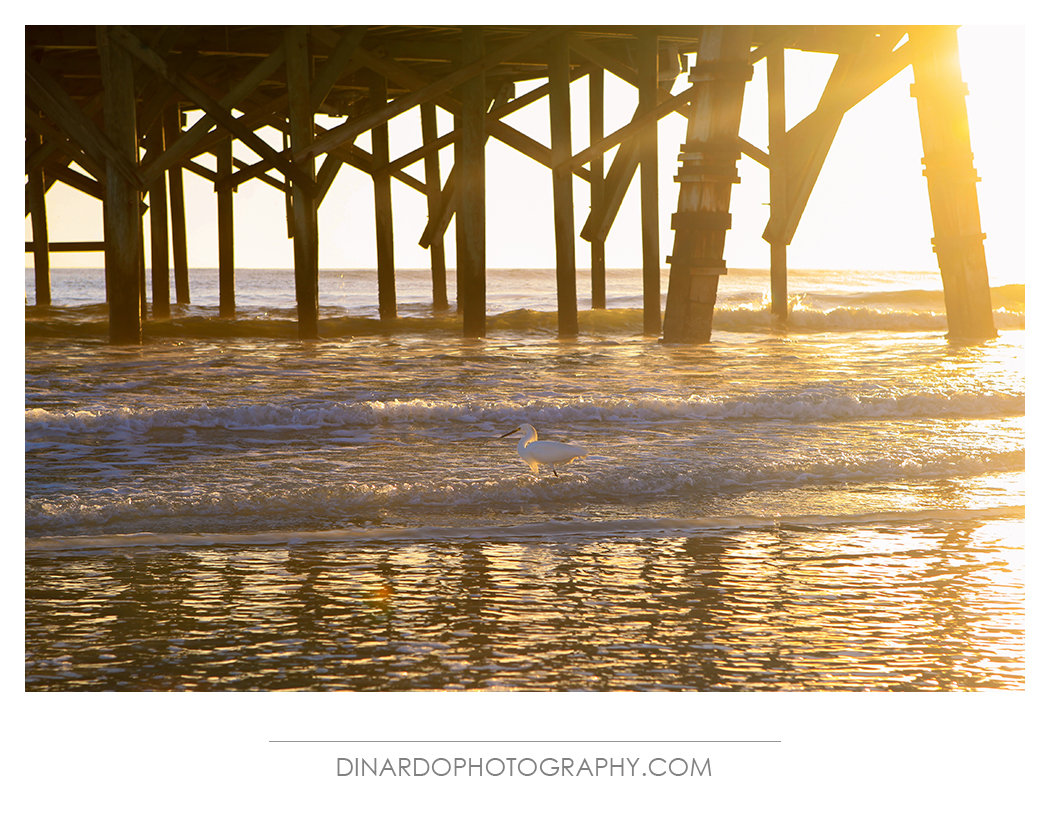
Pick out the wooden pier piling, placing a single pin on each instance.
(432, 169)
(564, 219)
(777, 186)
(470, 180)
(105, 106)
(958, 241)
(177, 201)
(304, 207)
(224, 220)
(649, 169)
(38, 215)
(160, 272)
(596, 110)
(123, 225)
(707, 174)
(384, 208)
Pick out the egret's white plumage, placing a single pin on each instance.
(535, 451)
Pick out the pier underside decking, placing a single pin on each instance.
(108, 111)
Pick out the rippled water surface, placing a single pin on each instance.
(837, 507)
(897, 604)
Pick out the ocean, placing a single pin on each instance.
(836, 506)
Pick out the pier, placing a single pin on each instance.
(108, 112)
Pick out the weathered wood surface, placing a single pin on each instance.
(596, 111)
(706, 179)
(432, 168)
(177, 200)
(777, 186)
(384, 208)
(470, 241)
(160, 272)
(224, 220)
(649, 168)
(40, 249)
(304, 210)
(123, 227)
(561, 150)
(958, 241)
(96, 96)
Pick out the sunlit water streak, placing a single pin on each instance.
(840, 507)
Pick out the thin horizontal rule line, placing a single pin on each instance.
(525, 741)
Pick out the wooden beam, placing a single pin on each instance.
(856, 75)
(940, 95)
(343, 49)
(304, 209)
(706, 178)
(177, 199)
(384, 213)
(432, 168)
(777, 185)
(638, 124)
(596, 94)
(78, 181)
(123, 227)
(225, 223)
(561, 150)
(618, 179)
(428, 93)
(438, 224)
(190, 88)
(495, 128)
(753, 152)
(589, 51)
(611, 64)
(257, 118)
(188, 141)
(49, 96)
(470, 241)
(497, 113)
(349, 154)
(330, 168)
(364, 161)
(70, 246)
(38, 219)
(160, 273)
(784, 38)
(59, 141)
(648, 57)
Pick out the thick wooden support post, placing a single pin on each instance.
(778, 201)
(706, 179)
(121, 209)
(470, 185)
(160, 272)
(952, 181)
(597, 167)
(177, 201)
(224, 197)
(648, 86)
(383, 201)
(432, 169)
(143, 303)
(561, 151)
(38, 218)
(449, 198)
(304, 207)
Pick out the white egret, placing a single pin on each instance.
(534, 451)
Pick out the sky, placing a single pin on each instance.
(868, 211)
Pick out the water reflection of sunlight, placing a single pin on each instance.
(915, 604)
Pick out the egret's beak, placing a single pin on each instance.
(501, 436)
